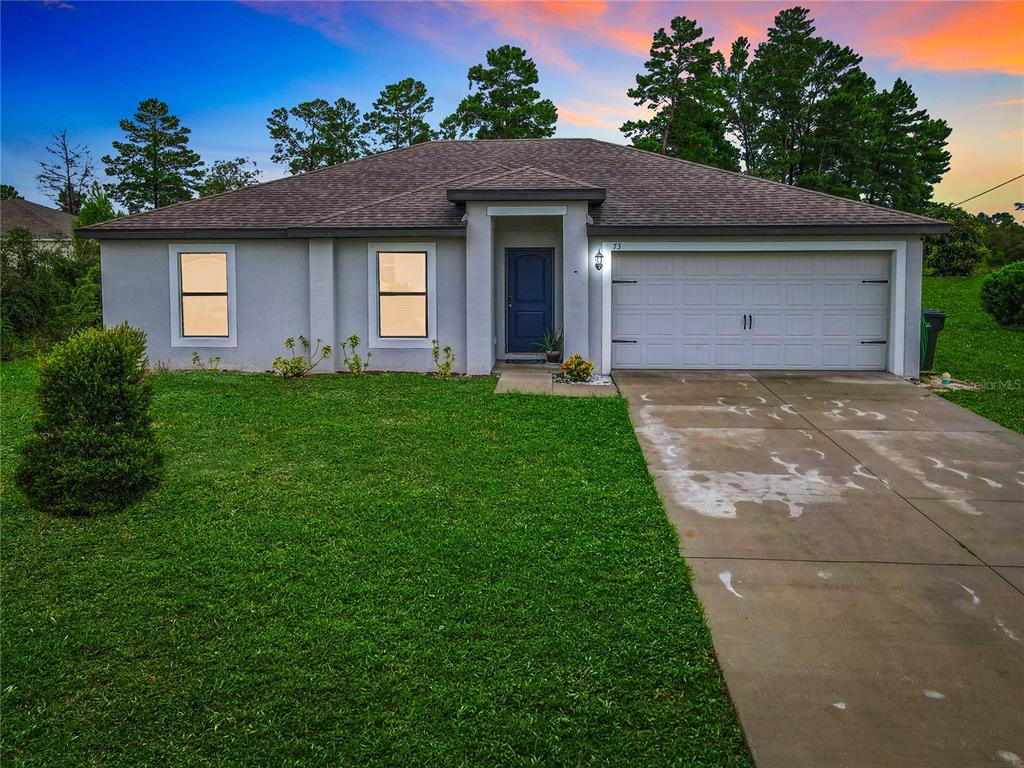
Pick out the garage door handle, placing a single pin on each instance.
(623, 341)
(874, 341)
(751, 321)
(621, 282)
(744, 322)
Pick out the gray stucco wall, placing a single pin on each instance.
(352, 303)
(274, 284)
(272, 299)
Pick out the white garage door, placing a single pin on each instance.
(746, 310)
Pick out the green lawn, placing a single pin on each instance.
(974, 347)
(387, 570)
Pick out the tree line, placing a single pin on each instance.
(797, 109)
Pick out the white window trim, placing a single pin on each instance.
(201, 342)
(897, 279)
(374, 340)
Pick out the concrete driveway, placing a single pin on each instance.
(858, 545)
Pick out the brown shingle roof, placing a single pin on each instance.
(408, 189)
(42, 222)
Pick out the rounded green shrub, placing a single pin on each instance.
(1002, 294)
(93, 449)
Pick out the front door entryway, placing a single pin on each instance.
(530, 299)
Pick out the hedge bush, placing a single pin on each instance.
(93, 449)
(1002, 294)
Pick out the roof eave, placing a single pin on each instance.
(592, 195)
(197, 233)
(910, 228)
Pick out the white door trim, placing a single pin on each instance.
(897, 279)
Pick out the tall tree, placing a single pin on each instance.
(399, 115)
(907, 151)
(793, 73)
(153, 167)
(229, 175)
(324, 134)
(65, 176)
(8, 192)
(504, 105)
(681, 86)
(742, 115)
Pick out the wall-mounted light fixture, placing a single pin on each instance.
(598, 260)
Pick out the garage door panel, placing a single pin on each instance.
(799, 295)
(729, 355)
(730, 295)
(767, 295)
(697, 325)
(799, 324)
(697, 295)
(767, 324)
(809, 310)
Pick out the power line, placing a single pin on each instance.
(997, 186)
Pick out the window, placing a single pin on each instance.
(204, 294)
(402, 295)
(402, 283)
(202, 282)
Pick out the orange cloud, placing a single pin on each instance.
(947, 36)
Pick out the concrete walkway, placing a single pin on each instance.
(536, 380)
(858, 545)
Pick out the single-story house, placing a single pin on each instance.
(44, 224)
(644, 261)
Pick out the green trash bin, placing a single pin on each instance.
(932, 321)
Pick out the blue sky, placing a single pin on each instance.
(223, 66)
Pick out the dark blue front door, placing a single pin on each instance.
(530, 304)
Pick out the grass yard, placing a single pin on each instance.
(387, 570)
(974, 347)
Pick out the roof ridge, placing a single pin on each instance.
(397, 196)
(715, 168)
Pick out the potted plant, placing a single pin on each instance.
(551, 344)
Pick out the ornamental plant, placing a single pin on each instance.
(1002, 294)
(576, 368)
(444, 366)
(93, 449)
(355, 362)
(299, 365)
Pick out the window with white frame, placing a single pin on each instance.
(202, 295)
(402, 294)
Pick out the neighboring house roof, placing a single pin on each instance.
(42, 222)
(411, 190)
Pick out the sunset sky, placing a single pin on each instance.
(222, 67)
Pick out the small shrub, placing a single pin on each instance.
(1002, 294)
(299, 365)
(93, 449)
(577, 369)
(353, 361)
(444, 367)
(211, 364)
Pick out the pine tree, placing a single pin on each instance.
(681, 86)
(505, 104)
(399, 115)
(153, 167)
(793, 73)
(907, 149)
(324, 134)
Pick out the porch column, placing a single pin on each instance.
(479, 290)
(322, 318)
(575, 281)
